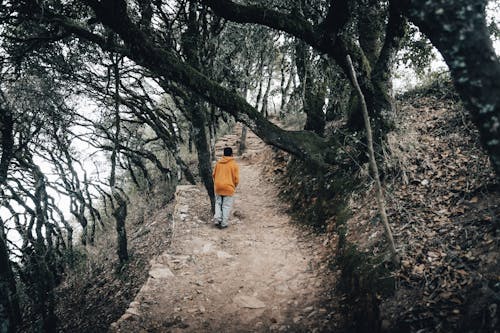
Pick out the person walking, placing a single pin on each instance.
(226, 178)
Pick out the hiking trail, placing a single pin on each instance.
(259, 275)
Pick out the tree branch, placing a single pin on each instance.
(305, 145)
(294, 24)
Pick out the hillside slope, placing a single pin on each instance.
(444, 206)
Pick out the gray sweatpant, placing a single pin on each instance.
(223, 205)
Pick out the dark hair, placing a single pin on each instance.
(228, 151)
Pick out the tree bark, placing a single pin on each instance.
(191, 45)
(120, 211)
(202, 148)
(265, 99)
(120, 215)
(243, 138)
(313, 90)
(10, 313)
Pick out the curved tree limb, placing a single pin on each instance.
(305, 145)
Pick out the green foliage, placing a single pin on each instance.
(417, 50)
(437, 84)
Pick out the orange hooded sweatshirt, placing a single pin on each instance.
(226, 176)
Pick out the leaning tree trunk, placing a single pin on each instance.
(120, 210)
(191, 45)
(457, 28)
(313, 92)
(120, 215)
(202, 148)
(43, 276)
(10, 314)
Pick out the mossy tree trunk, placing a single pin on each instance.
(191, 44)
(378, 43)
(313, 90)
(198, 119)
(120, 215)
(41, 262)
(10, 314)
(120, 207)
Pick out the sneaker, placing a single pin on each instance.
(217, 223)
(222, 226)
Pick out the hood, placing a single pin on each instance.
(226, 159)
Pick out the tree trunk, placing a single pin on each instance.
(213, 138)
(202, 147)
(243, 140)
(377, 93)
(313, 91)
(120, 211)
(43, 275)
(10, 314)
(265, 99)
(457, 28)
(120, 215)
(285, 91)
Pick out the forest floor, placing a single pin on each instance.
(261, 274)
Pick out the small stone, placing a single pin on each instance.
(133, 311)
(249, 302)
(159, 271)
(308, 309)
(223, 255)
(126, 316)
(202, 309)
(297, 319)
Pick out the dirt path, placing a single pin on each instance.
(255, 276)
